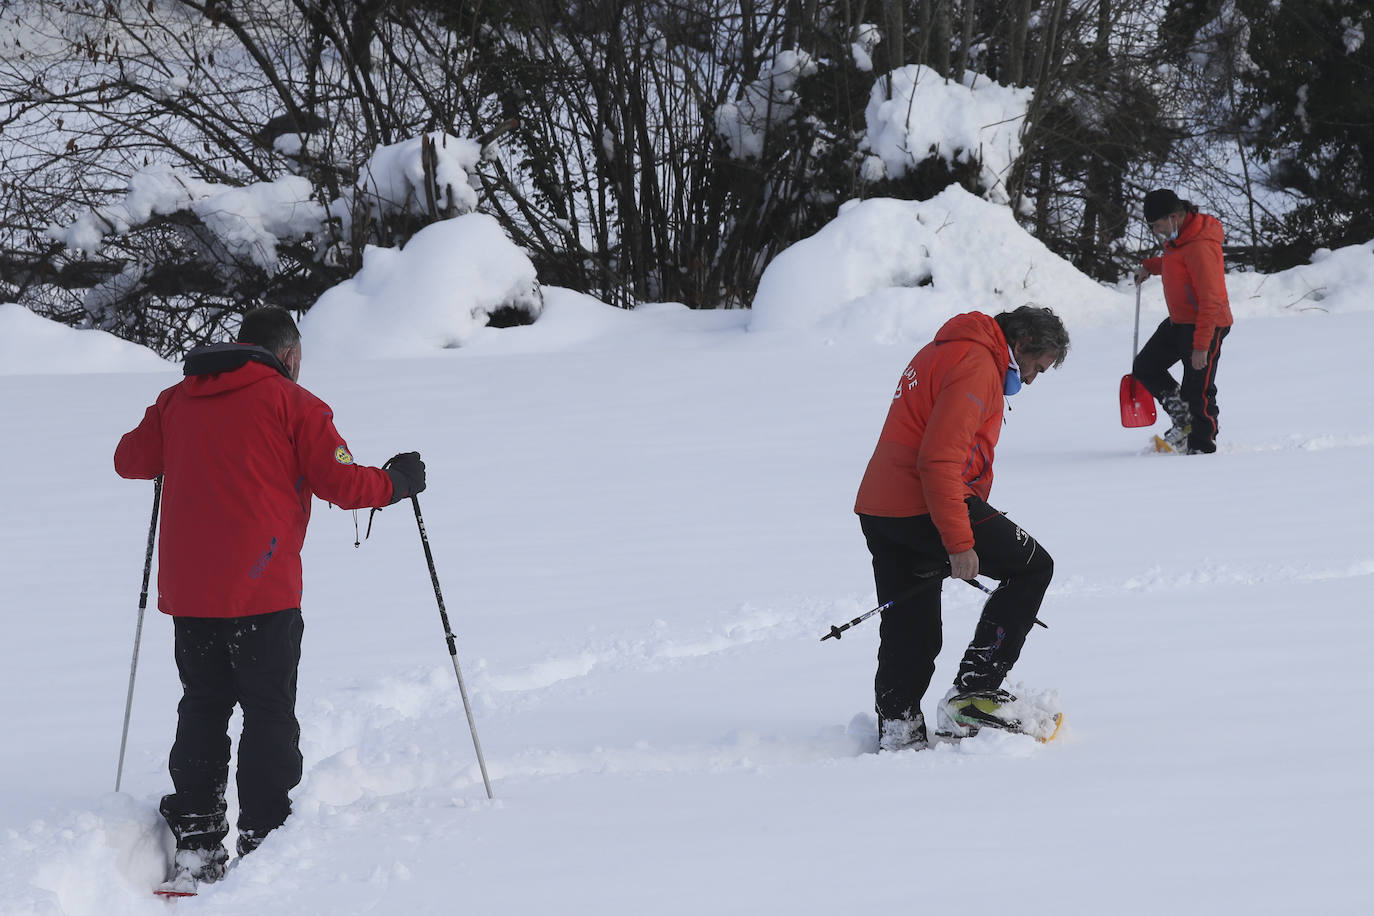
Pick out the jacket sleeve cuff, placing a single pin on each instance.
(400, 486)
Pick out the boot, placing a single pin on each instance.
(249, 840)
(902, 734)
(1177, 434)
(1176, 437)
(192, 868)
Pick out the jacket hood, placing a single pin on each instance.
(980, 329)
(221, 367)
(1199, 226)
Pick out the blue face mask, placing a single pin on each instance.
(1169, 236)
(1012, 383)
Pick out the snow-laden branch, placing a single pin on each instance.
(767, 103)
(247, 221)
(393, 180)
(250, 223)
(922, 115)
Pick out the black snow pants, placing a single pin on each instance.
(910, 635)
(1172, 343)
(251, 662)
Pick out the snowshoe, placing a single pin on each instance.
(961, 714)
(1174, 440)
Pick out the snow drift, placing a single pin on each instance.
(433, 294)
(32, 345)
(892, 270)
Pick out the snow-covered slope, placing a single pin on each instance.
(642, 525)
(31, 345)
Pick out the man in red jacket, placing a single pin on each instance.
(922, 507)
(241, 449)
(1199, 319)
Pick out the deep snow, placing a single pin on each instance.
(642, 524)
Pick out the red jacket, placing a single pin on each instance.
(241, 448)
(937, 444)
(1195, 278)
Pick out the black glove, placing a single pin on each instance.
(407, 474)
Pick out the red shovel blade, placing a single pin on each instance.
(1137, 404)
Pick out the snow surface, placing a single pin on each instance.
(642, 525)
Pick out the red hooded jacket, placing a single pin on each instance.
(241, 449)
(1194, 274)
(937, 445)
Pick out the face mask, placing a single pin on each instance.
(1012, 383)
(1166, 236)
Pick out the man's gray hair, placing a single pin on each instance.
(271, 328)
(1037, 329)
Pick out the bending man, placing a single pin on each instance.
(922, 507)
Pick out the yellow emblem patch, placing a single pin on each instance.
(342, 456)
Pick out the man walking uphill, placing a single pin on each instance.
(1194, 273)
(241, 449)
(922, 507)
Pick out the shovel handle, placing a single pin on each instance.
(1135, 339)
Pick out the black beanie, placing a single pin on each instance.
(1160, 203)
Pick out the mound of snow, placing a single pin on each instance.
(33, 345)
(104, 860)
(434, 294)
(1335, 281)
(894, 270)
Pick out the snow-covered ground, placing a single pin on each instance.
(642, 525)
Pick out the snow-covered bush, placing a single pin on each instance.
(915, 114)
(234, 242)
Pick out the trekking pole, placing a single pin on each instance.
(988, 591)
(938, 571)
(138, 630)
(835, 631)
(452, 649)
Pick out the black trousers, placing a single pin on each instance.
(251, 662)
(910, 635)
(1172, 343)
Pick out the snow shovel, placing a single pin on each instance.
(1137, 404)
